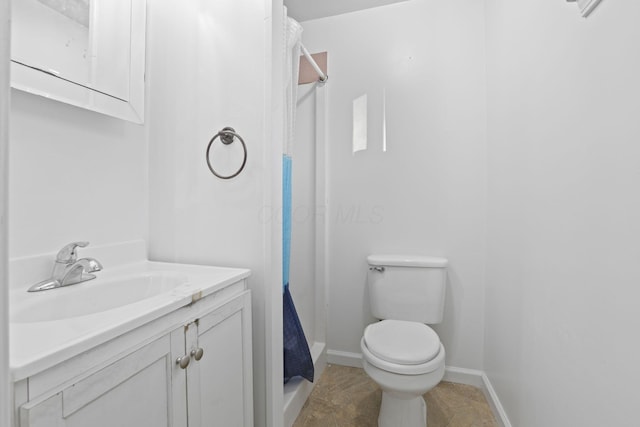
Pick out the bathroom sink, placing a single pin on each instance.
(52, 326)
(92, 297)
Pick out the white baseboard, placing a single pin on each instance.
(298, 390)
(494, 402)
(452, 374)
(344, 358)
(480, 380)
(456, 375)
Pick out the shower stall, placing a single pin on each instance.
(309, 210)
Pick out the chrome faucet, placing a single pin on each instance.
(68, 269)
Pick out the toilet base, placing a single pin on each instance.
(402, 401)
(398, 412)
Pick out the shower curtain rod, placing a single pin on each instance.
(322, 77)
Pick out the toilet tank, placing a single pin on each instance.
(407, 287)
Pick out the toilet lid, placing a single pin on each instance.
(402, 342)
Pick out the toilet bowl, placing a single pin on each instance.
(406, 359)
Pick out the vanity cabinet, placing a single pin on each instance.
(137, 390)
(147, 386)
(219, 383)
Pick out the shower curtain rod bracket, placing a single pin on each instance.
(322, 77)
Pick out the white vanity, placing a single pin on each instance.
(145, 344)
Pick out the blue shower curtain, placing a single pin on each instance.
(297, 357)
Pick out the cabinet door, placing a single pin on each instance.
(143, 389)
(219, 385)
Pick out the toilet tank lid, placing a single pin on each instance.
(407, 261)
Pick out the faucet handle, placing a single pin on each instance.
(67, 255)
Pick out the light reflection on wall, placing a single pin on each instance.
(360, 123)
(384, 119)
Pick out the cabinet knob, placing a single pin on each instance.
(183, 361)
(197, 353)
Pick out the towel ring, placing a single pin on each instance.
(227, 136)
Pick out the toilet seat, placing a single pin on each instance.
(402, 342)
(402, 347)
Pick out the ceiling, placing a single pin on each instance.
(304, 10)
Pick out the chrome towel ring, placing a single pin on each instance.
(227, 136)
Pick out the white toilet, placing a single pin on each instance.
(401, 353)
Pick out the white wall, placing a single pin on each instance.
(79, 175)
(74, 175)
(206, 70)
(303, 10)
(426, 194)
(564, 237)
(5, 404)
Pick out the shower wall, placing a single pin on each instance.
(426, 193)
(307, 216)
(303, 237)
(308, 236)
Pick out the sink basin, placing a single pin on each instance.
(93, 296)
(49, 327)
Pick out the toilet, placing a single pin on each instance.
(401, 353)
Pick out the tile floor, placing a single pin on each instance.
(346, 397)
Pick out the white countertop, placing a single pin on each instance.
(39, 345)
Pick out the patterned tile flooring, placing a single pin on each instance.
(346, 397)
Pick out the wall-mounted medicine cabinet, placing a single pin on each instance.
(87, 53)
